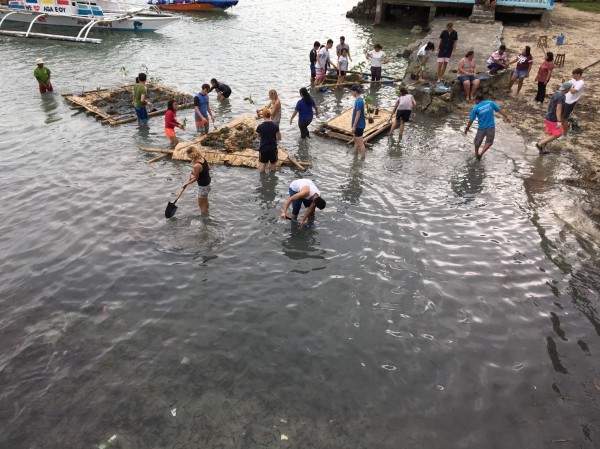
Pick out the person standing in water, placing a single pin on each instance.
(342, 66)
(171, 122)
(378, 58)
(483, 111)
(42, 75)
(313, 60)
(402, 110)
(274, 107)
(304, 107)
(269, 136)
(202, 110)
(140, 99)
(223, 90)
(339, 47)
(358, 121)
(323, 61)
(303, 191)
(201, 175)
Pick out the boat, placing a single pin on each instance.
(193, 5)
(82, 14)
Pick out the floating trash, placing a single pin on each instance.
(284, 437)
(185, 361)
(174, 411)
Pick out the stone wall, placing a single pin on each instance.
(364, 9)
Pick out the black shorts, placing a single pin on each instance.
(226, 93)
(445, 52)
(568, 110)
(403, 115)
(358, 132)
(342, 72)
(267, 156)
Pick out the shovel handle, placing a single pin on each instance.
(179, 195)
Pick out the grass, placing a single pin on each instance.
(593, 6)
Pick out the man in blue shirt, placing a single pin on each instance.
(484, 112)
(202, 110)
(358, 121)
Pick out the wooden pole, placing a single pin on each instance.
(156, 150)
(349, 83)
(157, 158)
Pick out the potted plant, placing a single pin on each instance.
(370, 108)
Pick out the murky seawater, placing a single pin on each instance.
(437, 302)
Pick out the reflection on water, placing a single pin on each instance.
(352, 189)
(468, 184)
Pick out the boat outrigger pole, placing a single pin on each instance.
(58, 37)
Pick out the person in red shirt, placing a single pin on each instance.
(171, 122)
(543, 77)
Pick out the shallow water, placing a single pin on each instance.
(436, 302)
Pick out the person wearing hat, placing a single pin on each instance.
(42, 75)
(303, 191)
(358, 120)
(554, 116)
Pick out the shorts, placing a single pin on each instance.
(203, 191)
(46, 88)
(568, 110)
(488, 133)
(494, 66)
(358, 132)
(375, 73)
(313, 72)
(552, 129)
(320, 73)
(226, 94)
(202, 125)
(170, 132)
(142, 114)
(520, 73)
(297, 204)
(267, 156)
(420, 60)
(443, 59)
(403, 115)
(342, 73)
(463, 78)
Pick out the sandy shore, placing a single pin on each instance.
(582, 49)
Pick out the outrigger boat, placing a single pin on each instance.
(83, 14)
(193, 5)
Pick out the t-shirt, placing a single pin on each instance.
(268, 135)
(340, 47)
(405, 102)
(343, 61)
(222, 88)
(171, 120)
(572, 98)
(305, 110)
(377, 58)
(322, 57)
(484, 112)
(523, 62)
(447, 39)
(498, 56)
(556, 99)
(202, 102)
(359, 105)
(543, 71)
(297, 185)
(138, 91)
(422, 51)
(42, 74)
(312, 56)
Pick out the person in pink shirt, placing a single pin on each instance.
(543, 77)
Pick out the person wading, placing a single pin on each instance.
(201, 175)
(303, 191)
(269, 136)
(484, 113)
(42, 75)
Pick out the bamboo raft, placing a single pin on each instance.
(247, 157)
(340, 127)
(114, 106)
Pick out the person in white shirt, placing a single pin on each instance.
(339, 47)
(422, 57)
(378, 58)
(323, 62)
(303, 191)
(401, 113)
(342, 66)
(571, 100)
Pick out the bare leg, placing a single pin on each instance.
(273, 167)
(394, 122)
(467, 88)
(477, 151)
(174, 141)
(485, 148)
(359, 146)
(512, 81)
(520, 84)
(261, 167)
(401, 129)
(474, 87)
(444, 65)
(440, 71)
(565, 126)
(203, 205)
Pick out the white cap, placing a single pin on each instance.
(39, 61)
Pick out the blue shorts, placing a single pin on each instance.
(463, 78)
(297, 204)
(494, 66)
(142, 114)
(358, 132)
(520, 73)
(403, 115)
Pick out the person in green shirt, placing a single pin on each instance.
(140, 93)
(42, 75)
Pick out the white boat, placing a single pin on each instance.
(83, 14)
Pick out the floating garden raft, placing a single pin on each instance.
(231, 144)
(114, 106)
(340, 127)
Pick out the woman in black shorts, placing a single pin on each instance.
(402, 110)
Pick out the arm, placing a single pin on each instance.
(454, 46)
(547, 80)
(356, 119)
(276, 107)
(460, 68)
(309, 213)
(349, 57)
(504, 114)
(386, 59)
(315, 108)
(278, 136)
(194, 175)
(197, 109)
(293, 115)
(559, 109)
(395, 109)
(414, 103)
(468, 126)
(210, 112)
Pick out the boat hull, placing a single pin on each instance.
(139, 22)
(190, 5)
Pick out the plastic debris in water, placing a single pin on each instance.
(185, 361)
(283, 420)
(174, 412)
(113, 438)
(284, 437)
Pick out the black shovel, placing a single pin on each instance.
(171, 207)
